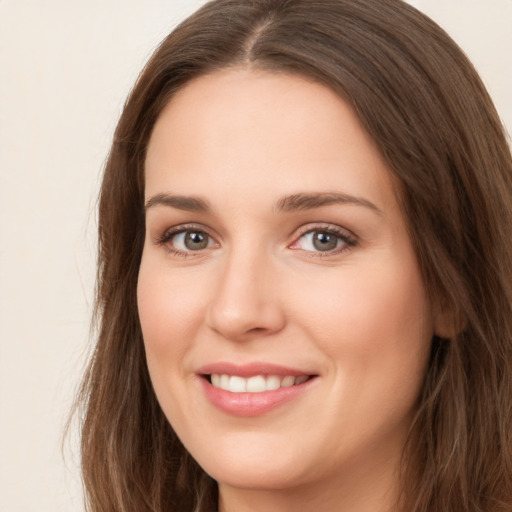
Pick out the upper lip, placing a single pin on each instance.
(250, 369)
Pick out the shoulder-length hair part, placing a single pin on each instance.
(425, 107)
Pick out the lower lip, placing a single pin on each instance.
(252, 404)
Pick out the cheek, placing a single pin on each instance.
(169, 309)
(170, 312)
(375, 324)
(364, 303)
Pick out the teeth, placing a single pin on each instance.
(273, 382)
(287, 382)
(224, 382)
(301, 379)
(256, 384)
(237, 384)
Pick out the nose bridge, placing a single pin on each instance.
(245, 301)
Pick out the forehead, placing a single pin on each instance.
(249, 129)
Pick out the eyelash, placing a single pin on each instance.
(169, 234)
(346, 237)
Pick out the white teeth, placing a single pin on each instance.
(237, 384)
(301, 379)
(224, 382)
(256, 384)
(287, 382)
(273, 382)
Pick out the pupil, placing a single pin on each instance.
(324, 242)
(195, 241)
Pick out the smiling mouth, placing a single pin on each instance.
(256, 383)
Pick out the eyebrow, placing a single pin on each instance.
(187, 203)
(294, 202)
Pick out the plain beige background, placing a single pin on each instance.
(65, 69)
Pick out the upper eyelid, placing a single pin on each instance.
(323, 226)
(180, 228)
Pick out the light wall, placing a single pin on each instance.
(65, 69)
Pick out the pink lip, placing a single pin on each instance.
(249, 370)
(250, 404)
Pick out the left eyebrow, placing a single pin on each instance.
(309, 201)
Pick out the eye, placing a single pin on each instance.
(183, 241)
(190, 240)
(324, 241)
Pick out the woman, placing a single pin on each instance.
(304, 294)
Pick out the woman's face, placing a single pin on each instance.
(285, 321)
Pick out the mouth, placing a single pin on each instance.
(256, 383)
(253, 389)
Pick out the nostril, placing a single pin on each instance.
(239, 311)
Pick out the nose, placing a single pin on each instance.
(245, 303)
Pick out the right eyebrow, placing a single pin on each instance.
(187, 203)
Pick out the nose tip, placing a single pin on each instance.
(240, 321)
(245, 305)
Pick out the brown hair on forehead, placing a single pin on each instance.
(421, 101)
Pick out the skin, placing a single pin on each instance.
(357, 316)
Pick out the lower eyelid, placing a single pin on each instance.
(169, 233)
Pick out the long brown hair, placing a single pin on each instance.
(422, 102)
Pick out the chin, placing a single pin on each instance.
(246, 476)
(256, 465)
